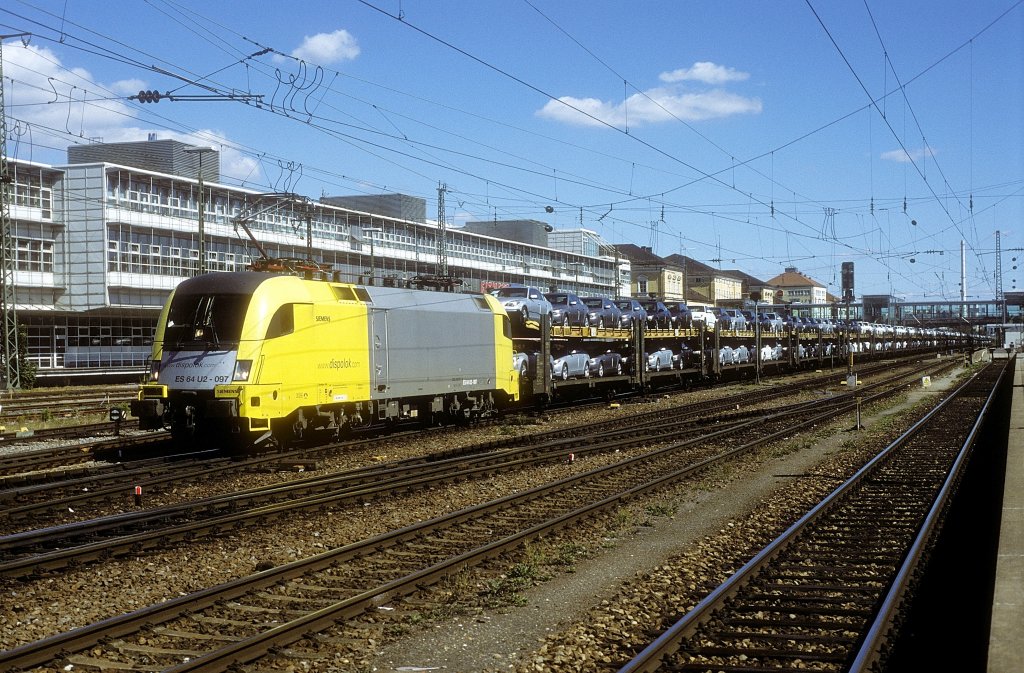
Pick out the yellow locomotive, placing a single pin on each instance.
(248, 357)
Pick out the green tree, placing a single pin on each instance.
(26, 368)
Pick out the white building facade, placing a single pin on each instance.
(99, 246)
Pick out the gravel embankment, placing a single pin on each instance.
(600, 557)
(641, 576)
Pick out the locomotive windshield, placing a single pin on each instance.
(211, 321)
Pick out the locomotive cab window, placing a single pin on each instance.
(283, 322)
(206, 320)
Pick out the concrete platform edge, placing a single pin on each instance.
(1006, 654)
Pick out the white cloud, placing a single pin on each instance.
(661, 104)
(46, 93)
(704, 71)
(901, 157)
(326, 48)
(654, 106)
(128, 86)
(58, 101)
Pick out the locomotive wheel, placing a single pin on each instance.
(299, 426)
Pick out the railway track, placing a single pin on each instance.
(240, 621)
(14, 465)
(825, 595)
(34, 551)
(79, 430)
(28, 466)
(40, 404)
(37, 496)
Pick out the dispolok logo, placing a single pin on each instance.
(338, 364)
(197, 370)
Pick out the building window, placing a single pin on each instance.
(33, 255)
(641, 285)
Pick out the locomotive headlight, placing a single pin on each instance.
(154, 371)
(242, 369)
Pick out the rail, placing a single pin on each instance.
(694, 633)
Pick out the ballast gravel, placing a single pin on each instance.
(540, 634)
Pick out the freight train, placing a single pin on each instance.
(249, 359)
(244, 358)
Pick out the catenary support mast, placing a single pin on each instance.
(442, 234)
(8, 298)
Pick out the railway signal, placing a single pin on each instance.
(117, 415)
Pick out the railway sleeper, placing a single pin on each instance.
(825, 633)
(136, 648)
(192, 635)
(812, 612)
(767, 654)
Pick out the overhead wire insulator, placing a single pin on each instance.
(147, 96)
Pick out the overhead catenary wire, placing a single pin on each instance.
(539, 197)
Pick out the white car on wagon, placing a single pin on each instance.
(703, 313)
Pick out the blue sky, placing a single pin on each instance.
(750, 135)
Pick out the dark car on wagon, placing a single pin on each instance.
(682, 316)
(633, 312)
(608, 363)
(658, 315)
(567, 309)
(602, 312)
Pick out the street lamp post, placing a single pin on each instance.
(202, 205)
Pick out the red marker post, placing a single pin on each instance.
(138, 496)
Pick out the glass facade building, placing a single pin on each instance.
(99, 246)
